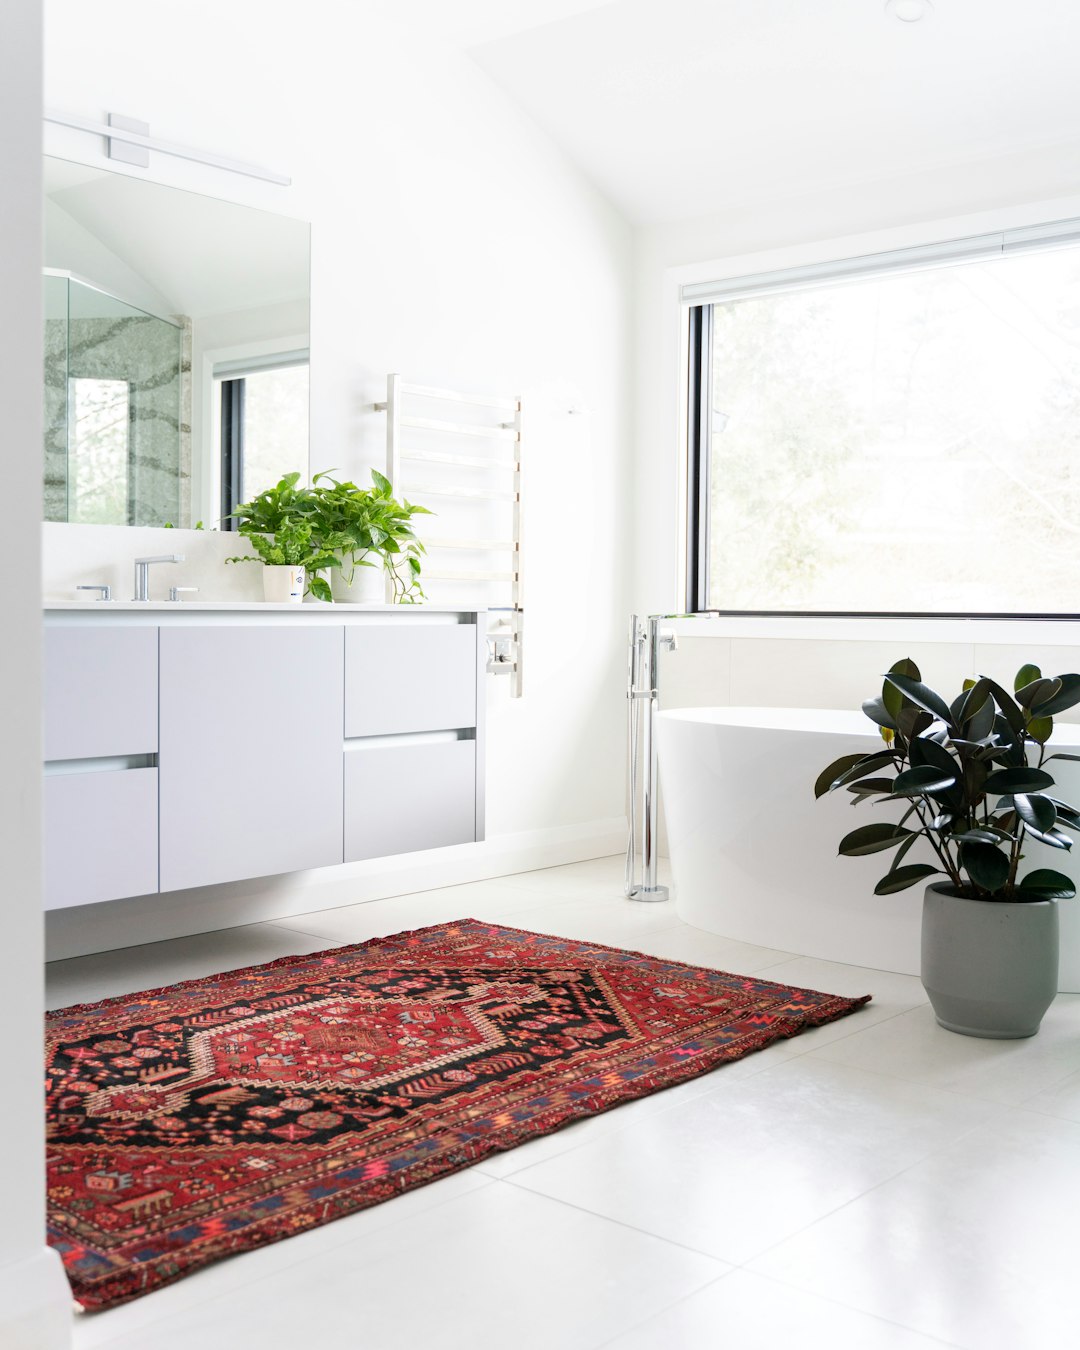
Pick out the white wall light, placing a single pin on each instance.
(909, 11)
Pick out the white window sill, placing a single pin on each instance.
(1013, 632)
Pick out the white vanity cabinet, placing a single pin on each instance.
(250, 751)
(189, 745)
(101, 781)
(407, 678)
(413, 776)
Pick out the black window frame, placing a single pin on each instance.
(233, 395)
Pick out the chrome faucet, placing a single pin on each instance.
(105, 592)
(142, 572)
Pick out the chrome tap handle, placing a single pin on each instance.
(106, 591)
(175, 592)
(142, 572)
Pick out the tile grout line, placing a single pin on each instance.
(622, 1223)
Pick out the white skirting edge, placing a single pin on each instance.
(153, 918)
(35, 1303)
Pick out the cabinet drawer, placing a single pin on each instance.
(403, 798)
(250, 752)
(406, 676)
(100, 692)
(101, 836)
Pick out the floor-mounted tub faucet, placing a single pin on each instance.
(142, 572)
(643, 685)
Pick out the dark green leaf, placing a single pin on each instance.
(980, 722)
(871, 787)
(892, 697)
(830, 777)
(1011, 743)
(1060, 755)
(922, 695)
(872, 839)
(1046, 884)
(1019, 779)
(924, 778)
(866, 764)
(905, 849)
(942, 821)
(974, 699)
(904, 877)
(1067, 815)
(1036, 810)
(913, 722)
(1040, 729)
(1007, 705)
(1026, 675)
(985, 864)
(1068, 697)
(1054, 838)
(975, 837)
(926, 750)
(1039, 691)
(875, 709)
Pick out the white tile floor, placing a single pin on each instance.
(876, 1184)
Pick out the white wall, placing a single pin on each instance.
(451, 243)
(805, 662)
(34, 1301)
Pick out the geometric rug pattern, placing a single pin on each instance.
(190, 1123)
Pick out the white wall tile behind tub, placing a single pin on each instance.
(776, 672)
(698, 675)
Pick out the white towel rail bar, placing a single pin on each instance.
(506, 635)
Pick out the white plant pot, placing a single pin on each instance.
(367, 586)
(283, 585)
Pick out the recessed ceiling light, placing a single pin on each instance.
(909, 11)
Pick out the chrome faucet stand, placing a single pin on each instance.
(643, 704)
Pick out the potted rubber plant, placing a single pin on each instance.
(371, 534)
(279, 524)
(971, 783)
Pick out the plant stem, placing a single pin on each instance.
(942, 852)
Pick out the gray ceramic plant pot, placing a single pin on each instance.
(989, 968)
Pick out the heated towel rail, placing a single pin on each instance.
(469, 457)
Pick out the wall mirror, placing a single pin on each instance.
(176, 350)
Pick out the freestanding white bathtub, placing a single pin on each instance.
(753, 855)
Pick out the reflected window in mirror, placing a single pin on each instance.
(262, 422)
(153, 297)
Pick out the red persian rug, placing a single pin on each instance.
(197, 1121)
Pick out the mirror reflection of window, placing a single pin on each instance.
(263, 425)
(161, 288)
(100, 456)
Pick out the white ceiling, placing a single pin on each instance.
(464, 23)
(683, 108)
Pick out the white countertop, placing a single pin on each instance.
(251, 606)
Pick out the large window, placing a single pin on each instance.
(900, 434)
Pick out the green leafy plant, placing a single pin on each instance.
(280, 524)
(368, 527)
(964, 774)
